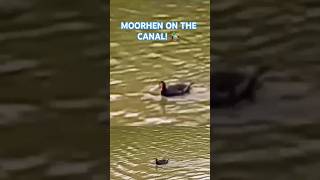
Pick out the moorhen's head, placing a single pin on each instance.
(162, 86)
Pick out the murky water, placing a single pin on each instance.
(137, 67)
(52, 92)
(45, 45)
(277, 136)
(133, 150)
(144, 125)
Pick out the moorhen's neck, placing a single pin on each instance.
(163, 87)
(163, 92)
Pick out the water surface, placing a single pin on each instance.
(52, 95)
(133, 150)
(137, 67)
(277, 136)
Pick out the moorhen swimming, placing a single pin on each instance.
(162, 161)
(174, 90)
(230, 88)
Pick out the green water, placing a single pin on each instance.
(144, 125)
(52, 99)
(133, 150)
(136, 67)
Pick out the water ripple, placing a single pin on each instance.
(132, 157)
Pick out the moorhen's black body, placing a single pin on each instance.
(229, 88)
(162, 161)
(174, 90)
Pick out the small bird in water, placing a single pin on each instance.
(161, 161)
(174, 90)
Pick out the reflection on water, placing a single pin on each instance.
(137, 67)
(133, 150)
(278, 133)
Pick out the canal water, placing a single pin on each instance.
(54, 129)
(277, 136)
(134, 149)
(137, 67)
(144, 125)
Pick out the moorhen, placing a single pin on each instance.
(174, 90)
(229, 88)
(162, 161)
